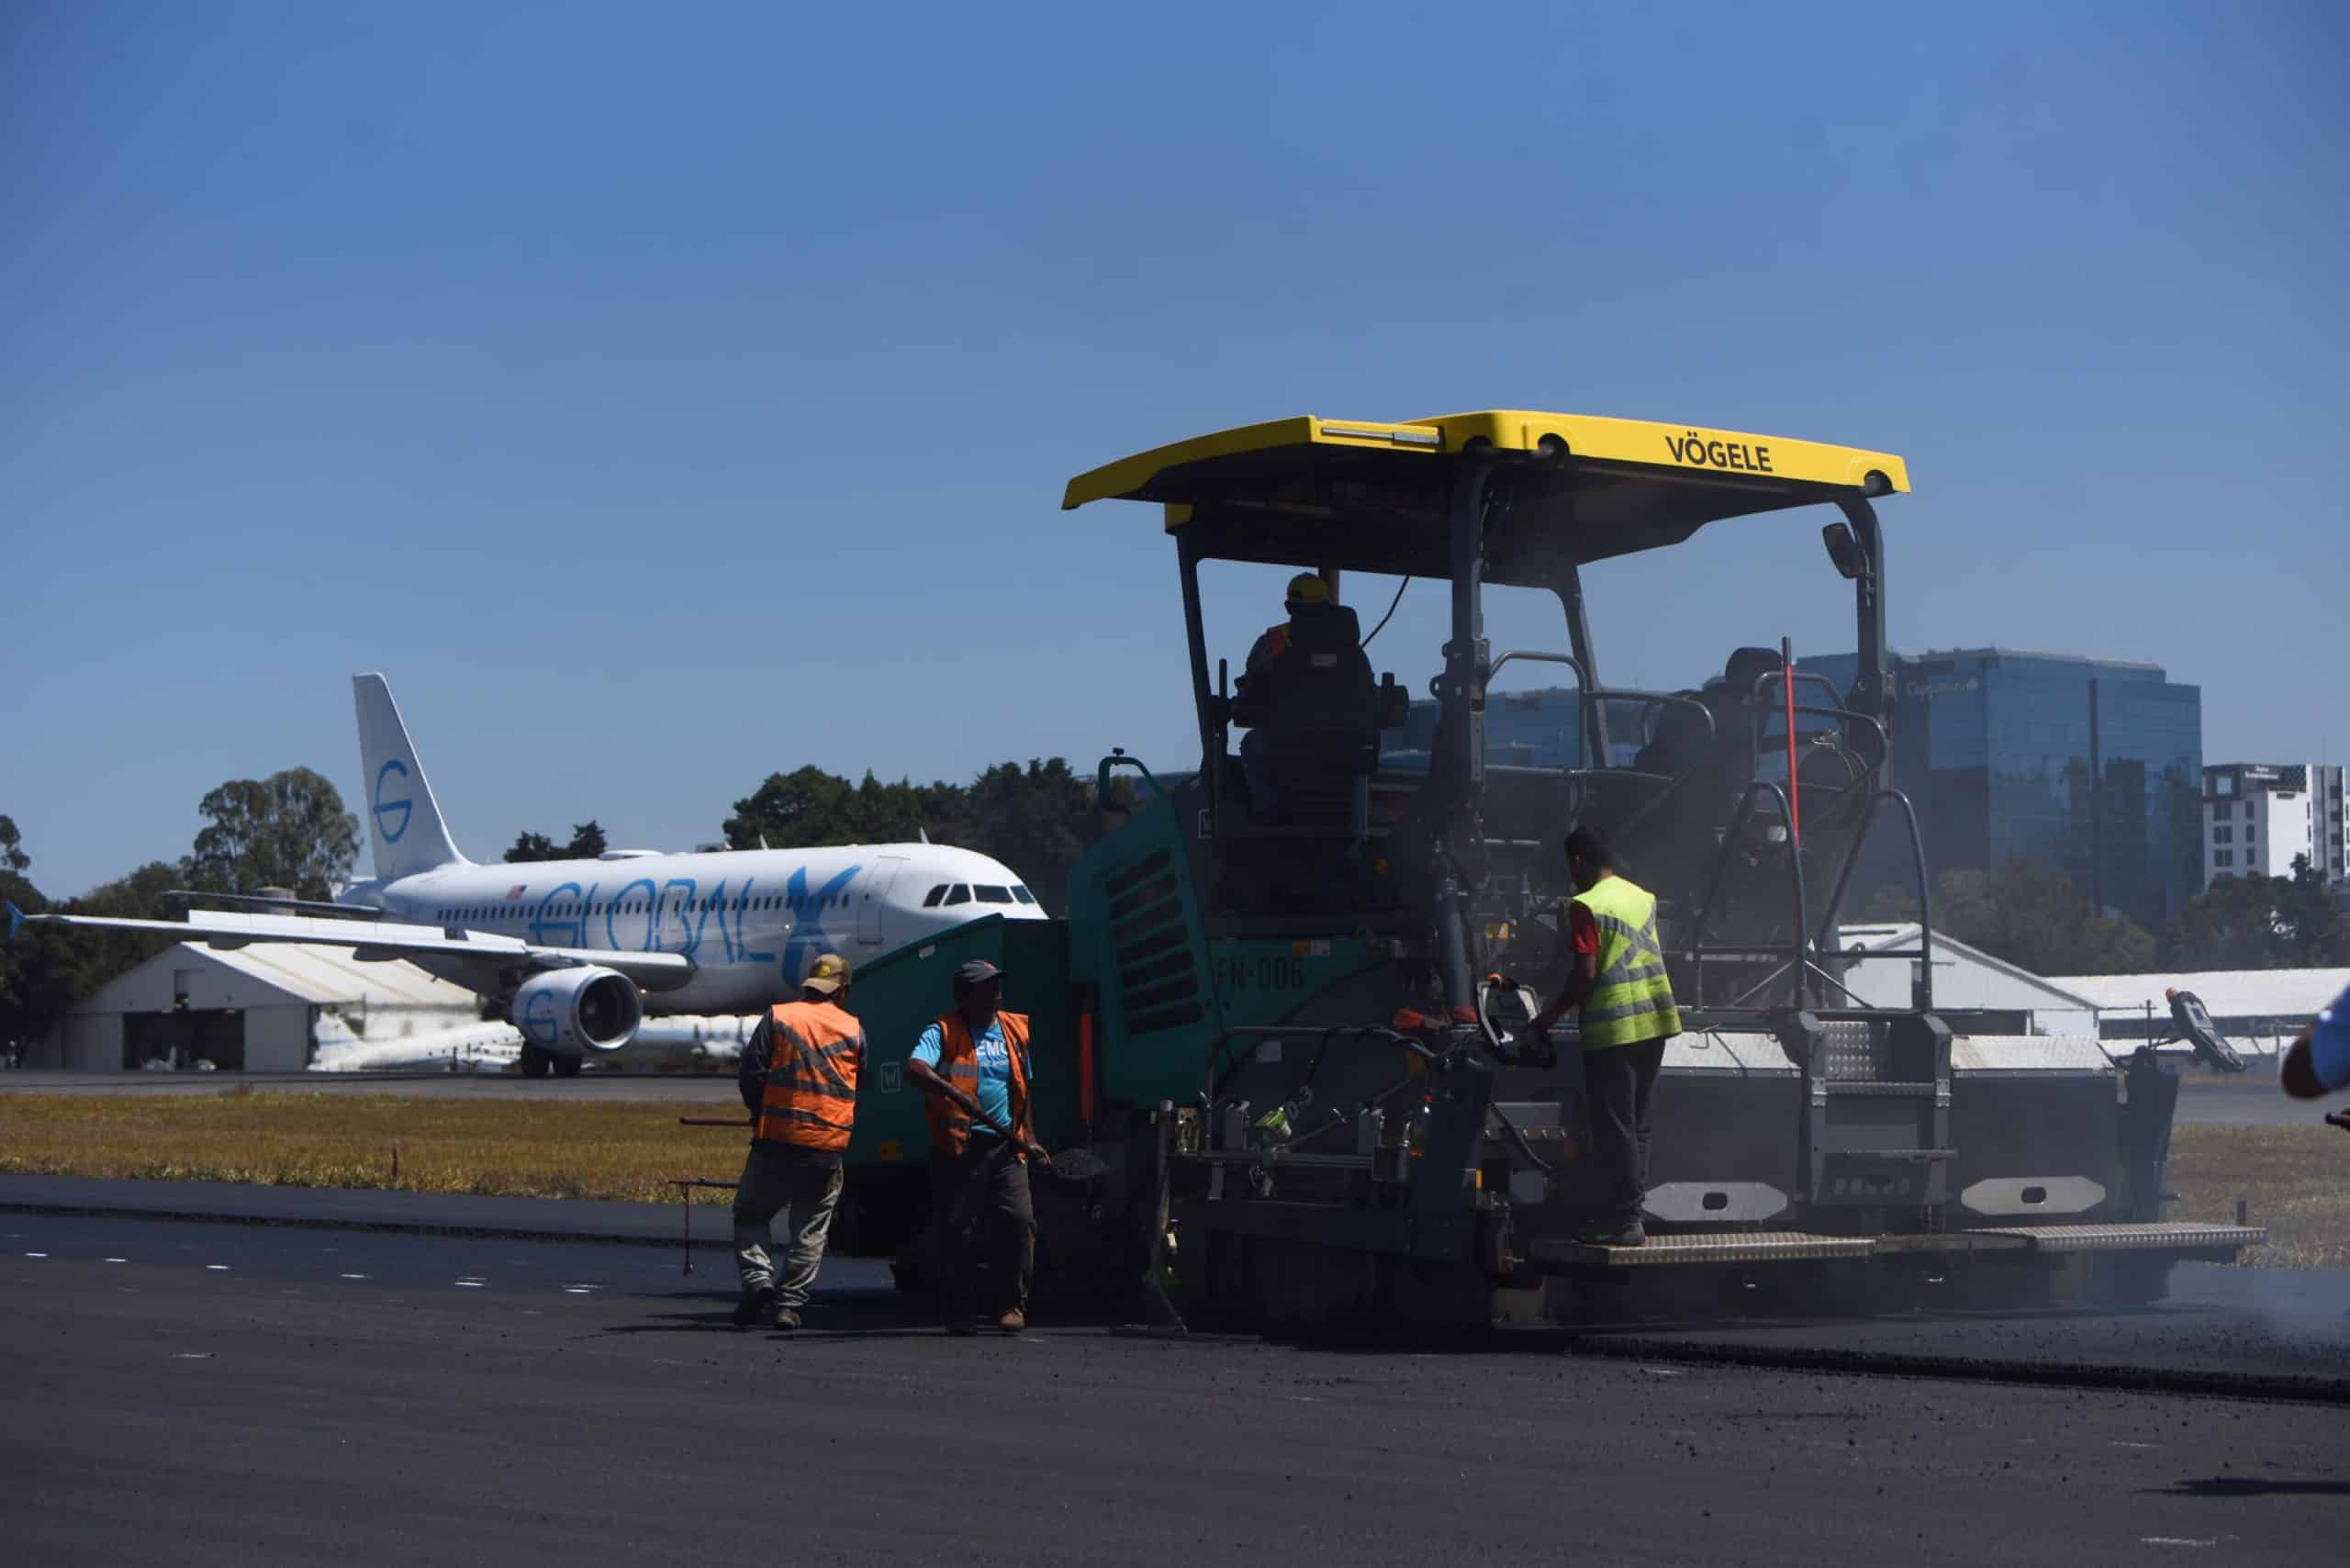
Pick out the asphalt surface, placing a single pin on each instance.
(2252, 1100)
(207, 1392)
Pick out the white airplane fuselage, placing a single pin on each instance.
(750, 920)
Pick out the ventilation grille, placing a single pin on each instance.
(1856, 1052)
(1150, 944)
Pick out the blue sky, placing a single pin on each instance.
(665, 397)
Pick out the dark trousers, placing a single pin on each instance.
(1619, 1082)
(981, 1200)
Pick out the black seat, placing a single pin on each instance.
(1321, 729)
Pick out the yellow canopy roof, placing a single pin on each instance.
(1373, 495)
(1689, 449)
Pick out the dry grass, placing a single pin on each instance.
(2296, 1181)
(536, 1149)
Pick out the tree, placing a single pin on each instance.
(1037, 819)
(12, 855)
(2030, 916)
(286, 831)
(2260, 923)
(46, 975)
(587, 842)
(533, 847)
(1038, 822)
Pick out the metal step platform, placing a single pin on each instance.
(2178, 1237)
(1797, 1245)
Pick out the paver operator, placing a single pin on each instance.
(973, 1065)
(1252, 701)
(1617, 981)
(798, 1076)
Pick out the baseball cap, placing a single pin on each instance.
(826, 975)
(979, 971)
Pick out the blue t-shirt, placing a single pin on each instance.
(994, 1060)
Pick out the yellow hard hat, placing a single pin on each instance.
(1307, 588)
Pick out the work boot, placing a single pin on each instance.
(1632, 1235)
(787, 1317)
(1012, 1322)
(755, 1305)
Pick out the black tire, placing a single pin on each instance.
(568, 1067)
(535, 1062)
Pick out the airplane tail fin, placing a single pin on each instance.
(404, 821)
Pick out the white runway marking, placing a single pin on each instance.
(36, 1254)
(117, 1260)
(216, 1268)
(471, 1284)
(353, 1276)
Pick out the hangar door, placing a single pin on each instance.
(184, 1037)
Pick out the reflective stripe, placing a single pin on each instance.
(959, 1063)
(1632, 998)
(810, 1094)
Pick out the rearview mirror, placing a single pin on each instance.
(1844, 550)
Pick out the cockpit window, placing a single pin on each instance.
(1023, 895)
(936, 893)
(961, 894)
(994, 895)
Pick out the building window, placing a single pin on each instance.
(2224, 835)
(2224, 858)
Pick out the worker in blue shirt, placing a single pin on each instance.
(972, 1064)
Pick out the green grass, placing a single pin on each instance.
(2296, 1180)
(533, 1148)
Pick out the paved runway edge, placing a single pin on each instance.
(332, 1208)
(1971, 1369)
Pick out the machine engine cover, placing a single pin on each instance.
(578, 1013)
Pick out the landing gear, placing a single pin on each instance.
(535, 1061)
(568, 1067)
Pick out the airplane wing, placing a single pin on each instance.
(371, 941)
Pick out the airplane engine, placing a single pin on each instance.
(573, 1013)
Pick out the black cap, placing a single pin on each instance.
(977, 972)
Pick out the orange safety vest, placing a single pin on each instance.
(809, 1098)
(1276, 641)
(959, 1063)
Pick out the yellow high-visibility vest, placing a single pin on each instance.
(1633, 1000)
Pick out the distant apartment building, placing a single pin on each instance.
(2257, 817)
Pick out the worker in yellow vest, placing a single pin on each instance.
(797, 1076)
(1617, 981)
(974, 1066)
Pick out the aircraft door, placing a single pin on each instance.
(874, 897)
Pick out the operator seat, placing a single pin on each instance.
(1321, 720)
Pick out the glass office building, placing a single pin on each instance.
(2091, 767)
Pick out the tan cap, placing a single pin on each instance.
(826, 975)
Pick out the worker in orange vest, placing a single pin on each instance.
(973, 1065)
(798, 1076)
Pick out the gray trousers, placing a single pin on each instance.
(773, 1184)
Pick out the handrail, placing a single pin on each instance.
(1118, 759)
(1696, 949)
(1569, 660)
(1925, 889)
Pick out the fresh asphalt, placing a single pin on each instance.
(203, 1393)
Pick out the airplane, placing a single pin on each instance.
(579, 952)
